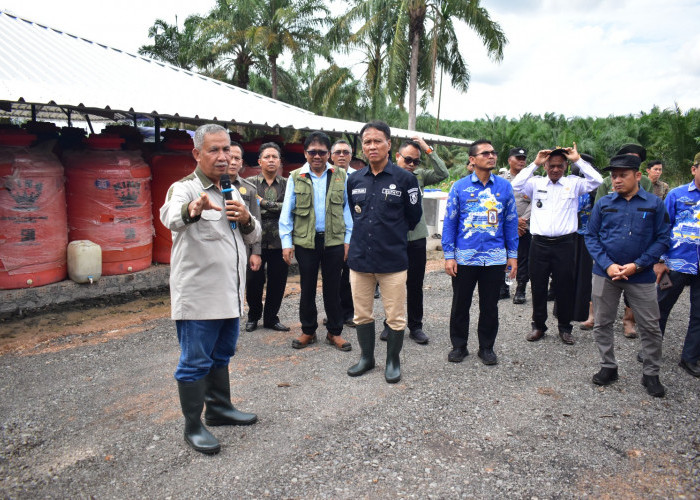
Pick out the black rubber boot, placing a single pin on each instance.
(192, 403)
(219, 410)
(519, 297)
(365, 337)
(394, 343)
(385, 332)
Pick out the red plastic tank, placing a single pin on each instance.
(168, 166)
(109, 203)
(33, 226)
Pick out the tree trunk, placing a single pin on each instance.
(273, 75)
(413, 81)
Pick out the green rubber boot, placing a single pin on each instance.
(365, 337)
(219, 410)
(394, 343)
(192, 403)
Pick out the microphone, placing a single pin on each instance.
(226, 188)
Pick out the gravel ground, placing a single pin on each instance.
(98, 416)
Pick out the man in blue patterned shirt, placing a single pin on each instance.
(681, 264)
(479, 238)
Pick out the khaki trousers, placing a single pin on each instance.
(393, 289)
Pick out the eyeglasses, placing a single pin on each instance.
(316, 152)
(486, 154)
(342, 152)
(410, 161)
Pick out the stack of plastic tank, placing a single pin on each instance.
(33, 228)
(109, 203)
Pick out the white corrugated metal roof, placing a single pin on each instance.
(47, 67)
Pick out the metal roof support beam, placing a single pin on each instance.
(87, 119)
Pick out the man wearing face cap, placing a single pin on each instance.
(627, 232)
(628, 323)
(553, 224)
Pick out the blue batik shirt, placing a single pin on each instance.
(481, 223)
(585, 205)
(683, 207)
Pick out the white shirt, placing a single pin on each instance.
(555, 204)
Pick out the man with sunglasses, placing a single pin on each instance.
(553, 224)
(479, 239)
(315, 225)
(408, 157)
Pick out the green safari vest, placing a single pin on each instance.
(304, 232)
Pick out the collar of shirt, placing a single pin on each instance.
(206, 181)
(641, 193)
(475, 179)
(692, 186)
(306, 169)
(388, 169)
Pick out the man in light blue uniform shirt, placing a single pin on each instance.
(316, 224)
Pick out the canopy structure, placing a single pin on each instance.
(46, 74)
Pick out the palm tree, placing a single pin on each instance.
(425, 31)
(293, 25)
(184, 49)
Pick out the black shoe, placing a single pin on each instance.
(691, 368)
(457, 354)
(519, 297)
(504, 293)
(567, 338)
(488, 357)
(640, 358)
(350, 323)
(418, 336)
(605, 376)
(653, 385)
(251, 326)
(376, 293)
(278, 327)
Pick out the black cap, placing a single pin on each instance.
(624, 161)
(577, 171)
(588, 159)
(633, 149)
(517, 152)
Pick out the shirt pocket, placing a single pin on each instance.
(360, 206)
(393, 208)
(643, 222)
(209, 226)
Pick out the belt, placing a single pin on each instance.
(552, 239)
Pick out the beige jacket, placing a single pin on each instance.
(208, 259)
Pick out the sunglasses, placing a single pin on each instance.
(316, 152)
(410, 161)
(487, 153)
(342, 152)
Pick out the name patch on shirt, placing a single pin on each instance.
(359, 191)
(391, 192)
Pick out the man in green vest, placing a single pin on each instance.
(315, 225)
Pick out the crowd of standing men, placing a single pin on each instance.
(365, 228)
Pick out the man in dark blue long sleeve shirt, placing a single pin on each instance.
(386, 203)
(627, 232)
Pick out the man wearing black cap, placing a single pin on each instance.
(553, 223)
(627, 233)
(516, 162)
(628, 323)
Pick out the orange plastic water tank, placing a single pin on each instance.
(168, 167)
(109, 203)
(33, 227)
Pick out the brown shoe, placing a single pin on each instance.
(339, 343)
(535, 334)
(628, 324)
(304, 340)
(567, 338)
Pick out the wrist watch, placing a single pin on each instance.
(636, 267)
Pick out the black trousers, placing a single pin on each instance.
(330, 259)
(346, 294)
(523, 275)
(489, 279)
(273, 269)
(553, 256)
(415, 275)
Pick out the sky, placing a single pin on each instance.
(571, 57)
